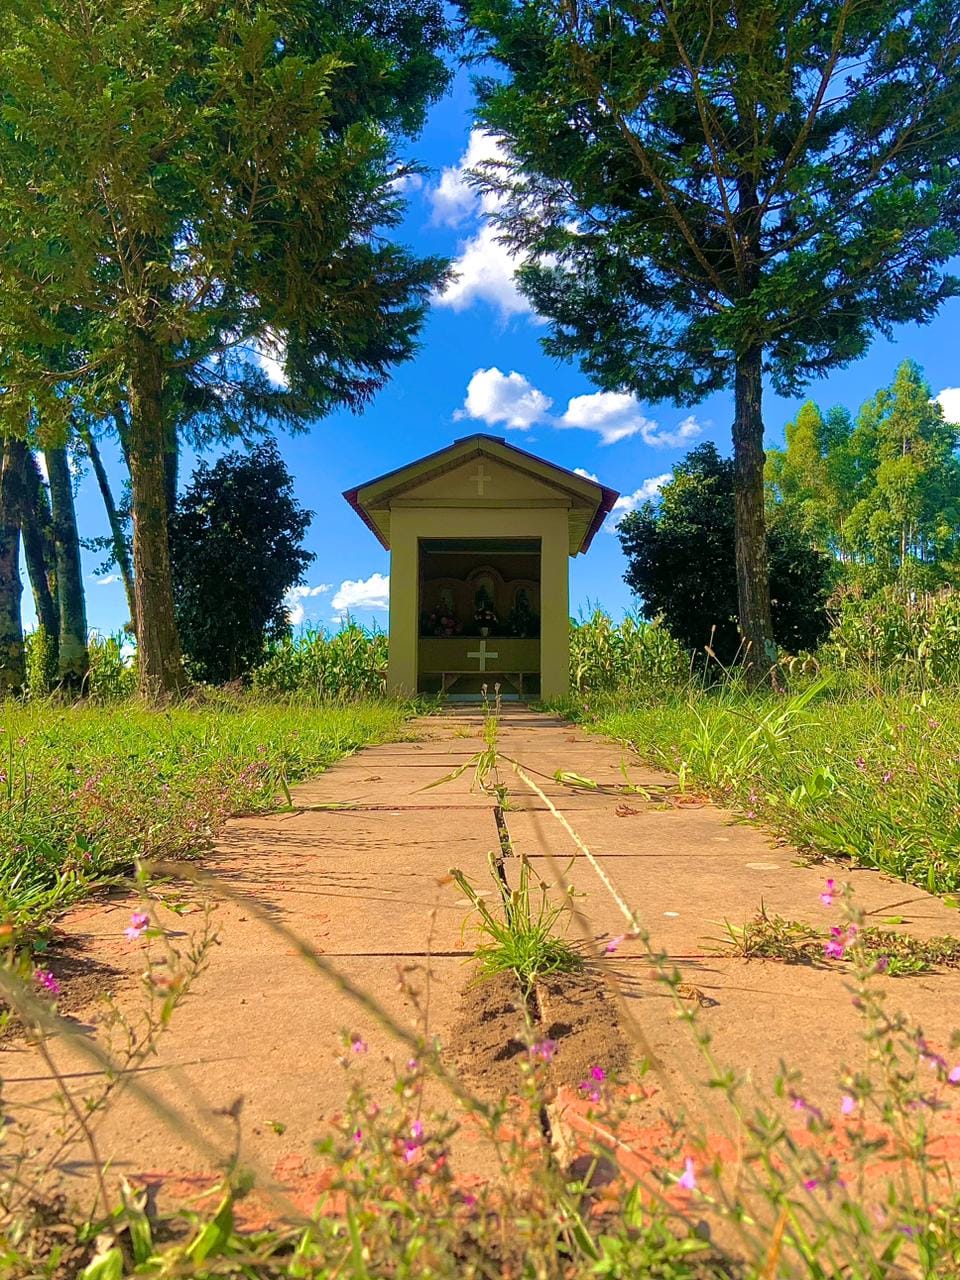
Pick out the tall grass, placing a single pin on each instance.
(85, 790)
(872, 778)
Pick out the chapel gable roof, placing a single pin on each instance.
(441, 478)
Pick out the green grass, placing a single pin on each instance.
(873, 778)
(85, 790)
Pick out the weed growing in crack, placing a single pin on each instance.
(771, 937)
(523, 940)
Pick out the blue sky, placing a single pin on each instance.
(453, 386)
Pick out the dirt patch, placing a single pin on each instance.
(83, 981)
(576, 1011)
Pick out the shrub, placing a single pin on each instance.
(680, 562)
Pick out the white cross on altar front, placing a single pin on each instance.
(483, 654)
(482, 480)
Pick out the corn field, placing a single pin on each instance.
(349, 663)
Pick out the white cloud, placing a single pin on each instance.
(362, 594)
(270, 353)
(294, 598)
(407, 182)
(454, 199)
(484, 267)
(587, 475)
(630, 501)
(485, 273)
(949, 402)
(508, 398)
(614, 415)
(494, 397)
(108, 580)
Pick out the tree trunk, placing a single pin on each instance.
(121, 552)
(73, 662)
(36, 526)
(158, 645)
(753, 584)
(13, 671)
(171, 469)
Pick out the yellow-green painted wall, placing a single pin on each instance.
(408, 524)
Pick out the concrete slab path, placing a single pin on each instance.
(360, 873)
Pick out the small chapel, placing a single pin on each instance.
(480, 535)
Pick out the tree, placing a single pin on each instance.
(36, 526)
(681, 563)
(235, 545)
(13, 672)
(707, 194)
(814, 478)
(906, 523)
(881, 495)
(186, 187)
(73, 659)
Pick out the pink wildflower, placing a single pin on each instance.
(590, 1089)
(688, 1179)
(954, 1076)
(888, 776)
(138, 923)
(811, 1184)
(613, 944)
(848, 1104)
(416, 1131)
(839, 940)
(47, 982)
(358, 1045)
(468, 1199)
(413, 1065)
(598, 1073)
(544, 1050)
(937, 1061)
(358, 1136)
(827, 896)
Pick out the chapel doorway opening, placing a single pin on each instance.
(479, 610)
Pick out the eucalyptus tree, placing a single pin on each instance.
(707, 193)
(191, 189)
(905, 523)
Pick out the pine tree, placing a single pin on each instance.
(707, 195)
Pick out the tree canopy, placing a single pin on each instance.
(706, 196)
(881, 493)
(188, 190)
(680, 563)
(235, 543)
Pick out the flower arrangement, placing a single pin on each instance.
(521, 620)
(485, 619)
(440, 622)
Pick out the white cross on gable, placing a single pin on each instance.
(482, 480)
(483, 653)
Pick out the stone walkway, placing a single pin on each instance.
(359, 872)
